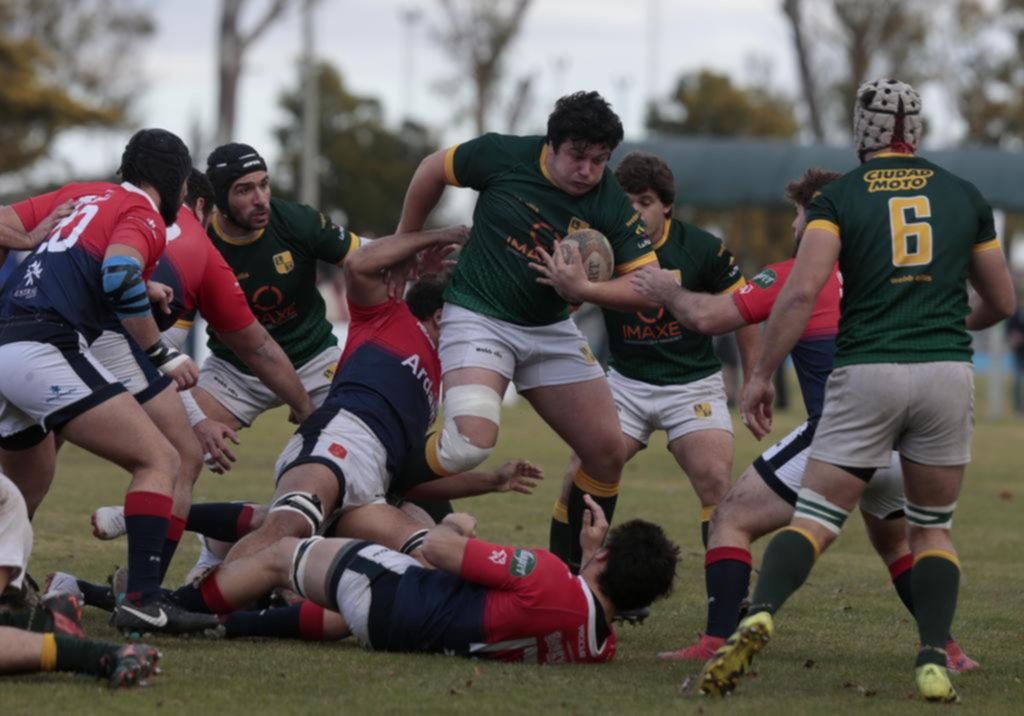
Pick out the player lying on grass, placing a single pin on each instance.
(221, 524)
(765, 496)
(487, 600)
(48, 636)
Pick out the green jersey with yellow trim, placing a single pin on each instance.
(651, 346)
(908, 228)
(519, 209)
(277, 272)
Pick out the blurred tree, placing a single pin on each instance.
(476, 35)
(706, 102)
(64, 65)
(839, 44)
(365, 167)
(984, 71)
(234, 42)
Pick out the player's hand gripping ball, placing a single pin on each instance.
(595, 251)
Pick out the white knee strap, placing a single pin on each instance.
(297, 573)
(451, 451)
(305, 504)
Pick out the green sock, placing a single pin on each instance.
(81, 655)
(787, 562)
(935, 581)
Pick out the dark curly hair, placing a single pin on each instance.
(198, 186)
(641, 565)
(640, 171)
(802, 190)
(426, 296)
(584, 117)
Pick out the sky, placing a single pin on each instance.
(628, 51)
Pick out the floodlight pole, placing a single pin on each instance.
(309, 185)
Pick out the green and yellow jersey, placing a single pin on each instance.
(519, 209)
(651, 346)
(277, 271)
(908, 228)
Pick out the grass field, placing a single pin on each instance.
(843, 644)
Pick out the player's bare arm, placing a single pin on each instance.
(445, 544)
(707, 313)
(364, 266)
(514, 476)
(818, 253)
(424, 192)
(563, 270)
(268, 362)
(749, 342)
(990, 278)
(144, 330)
(14, 237)
(595, 529)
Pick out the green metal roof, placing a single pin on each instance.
(716, 173)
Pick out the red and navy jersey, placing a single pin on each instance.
(389, 376)
(509, 604)
(201, 279)
(62, 276)
(814, 352)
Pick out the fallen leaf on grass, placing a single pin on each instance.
(809, 664)
(686, 687)
(1006, 495)
(868, 693)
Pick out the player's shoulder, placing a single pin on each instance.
(770, 275)
(295, 218)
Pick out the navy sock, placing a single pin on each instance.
(303, 620)
(727, 579)
(224, 521)
(146, 517)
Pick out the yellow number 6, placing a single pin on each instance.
(911, 237)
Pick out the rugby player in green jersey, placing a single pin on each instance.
(662, 375)
(501, 323)
(273, 247)
(907, 234)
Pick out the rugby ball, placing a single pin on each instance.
(596, 252)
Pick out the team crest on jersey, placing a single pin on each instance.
(576, 224)
(329, 372)
(588, 354)
(338, 451)
(702, 410)
(283, 262)
(523, 562)
(766, 278)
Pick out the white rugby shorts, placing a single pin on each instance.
(15, 532)
(676, 409)
(246, 397)
(782, 468)
(530, 356)
(350, 449)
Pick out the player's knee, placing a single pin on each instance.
(451, 452)
(604, 459)
(472, 419)
(298, 514)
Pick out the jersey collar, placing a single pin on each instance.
(664, 235)
(888, 155)
(215, 223)
(128, 186)
(544, 151)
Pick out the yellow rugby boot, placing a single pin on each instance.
(934, 684)
(723, 670)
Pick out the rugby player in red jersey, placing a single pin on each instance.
(484, 599)
(93, 266)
